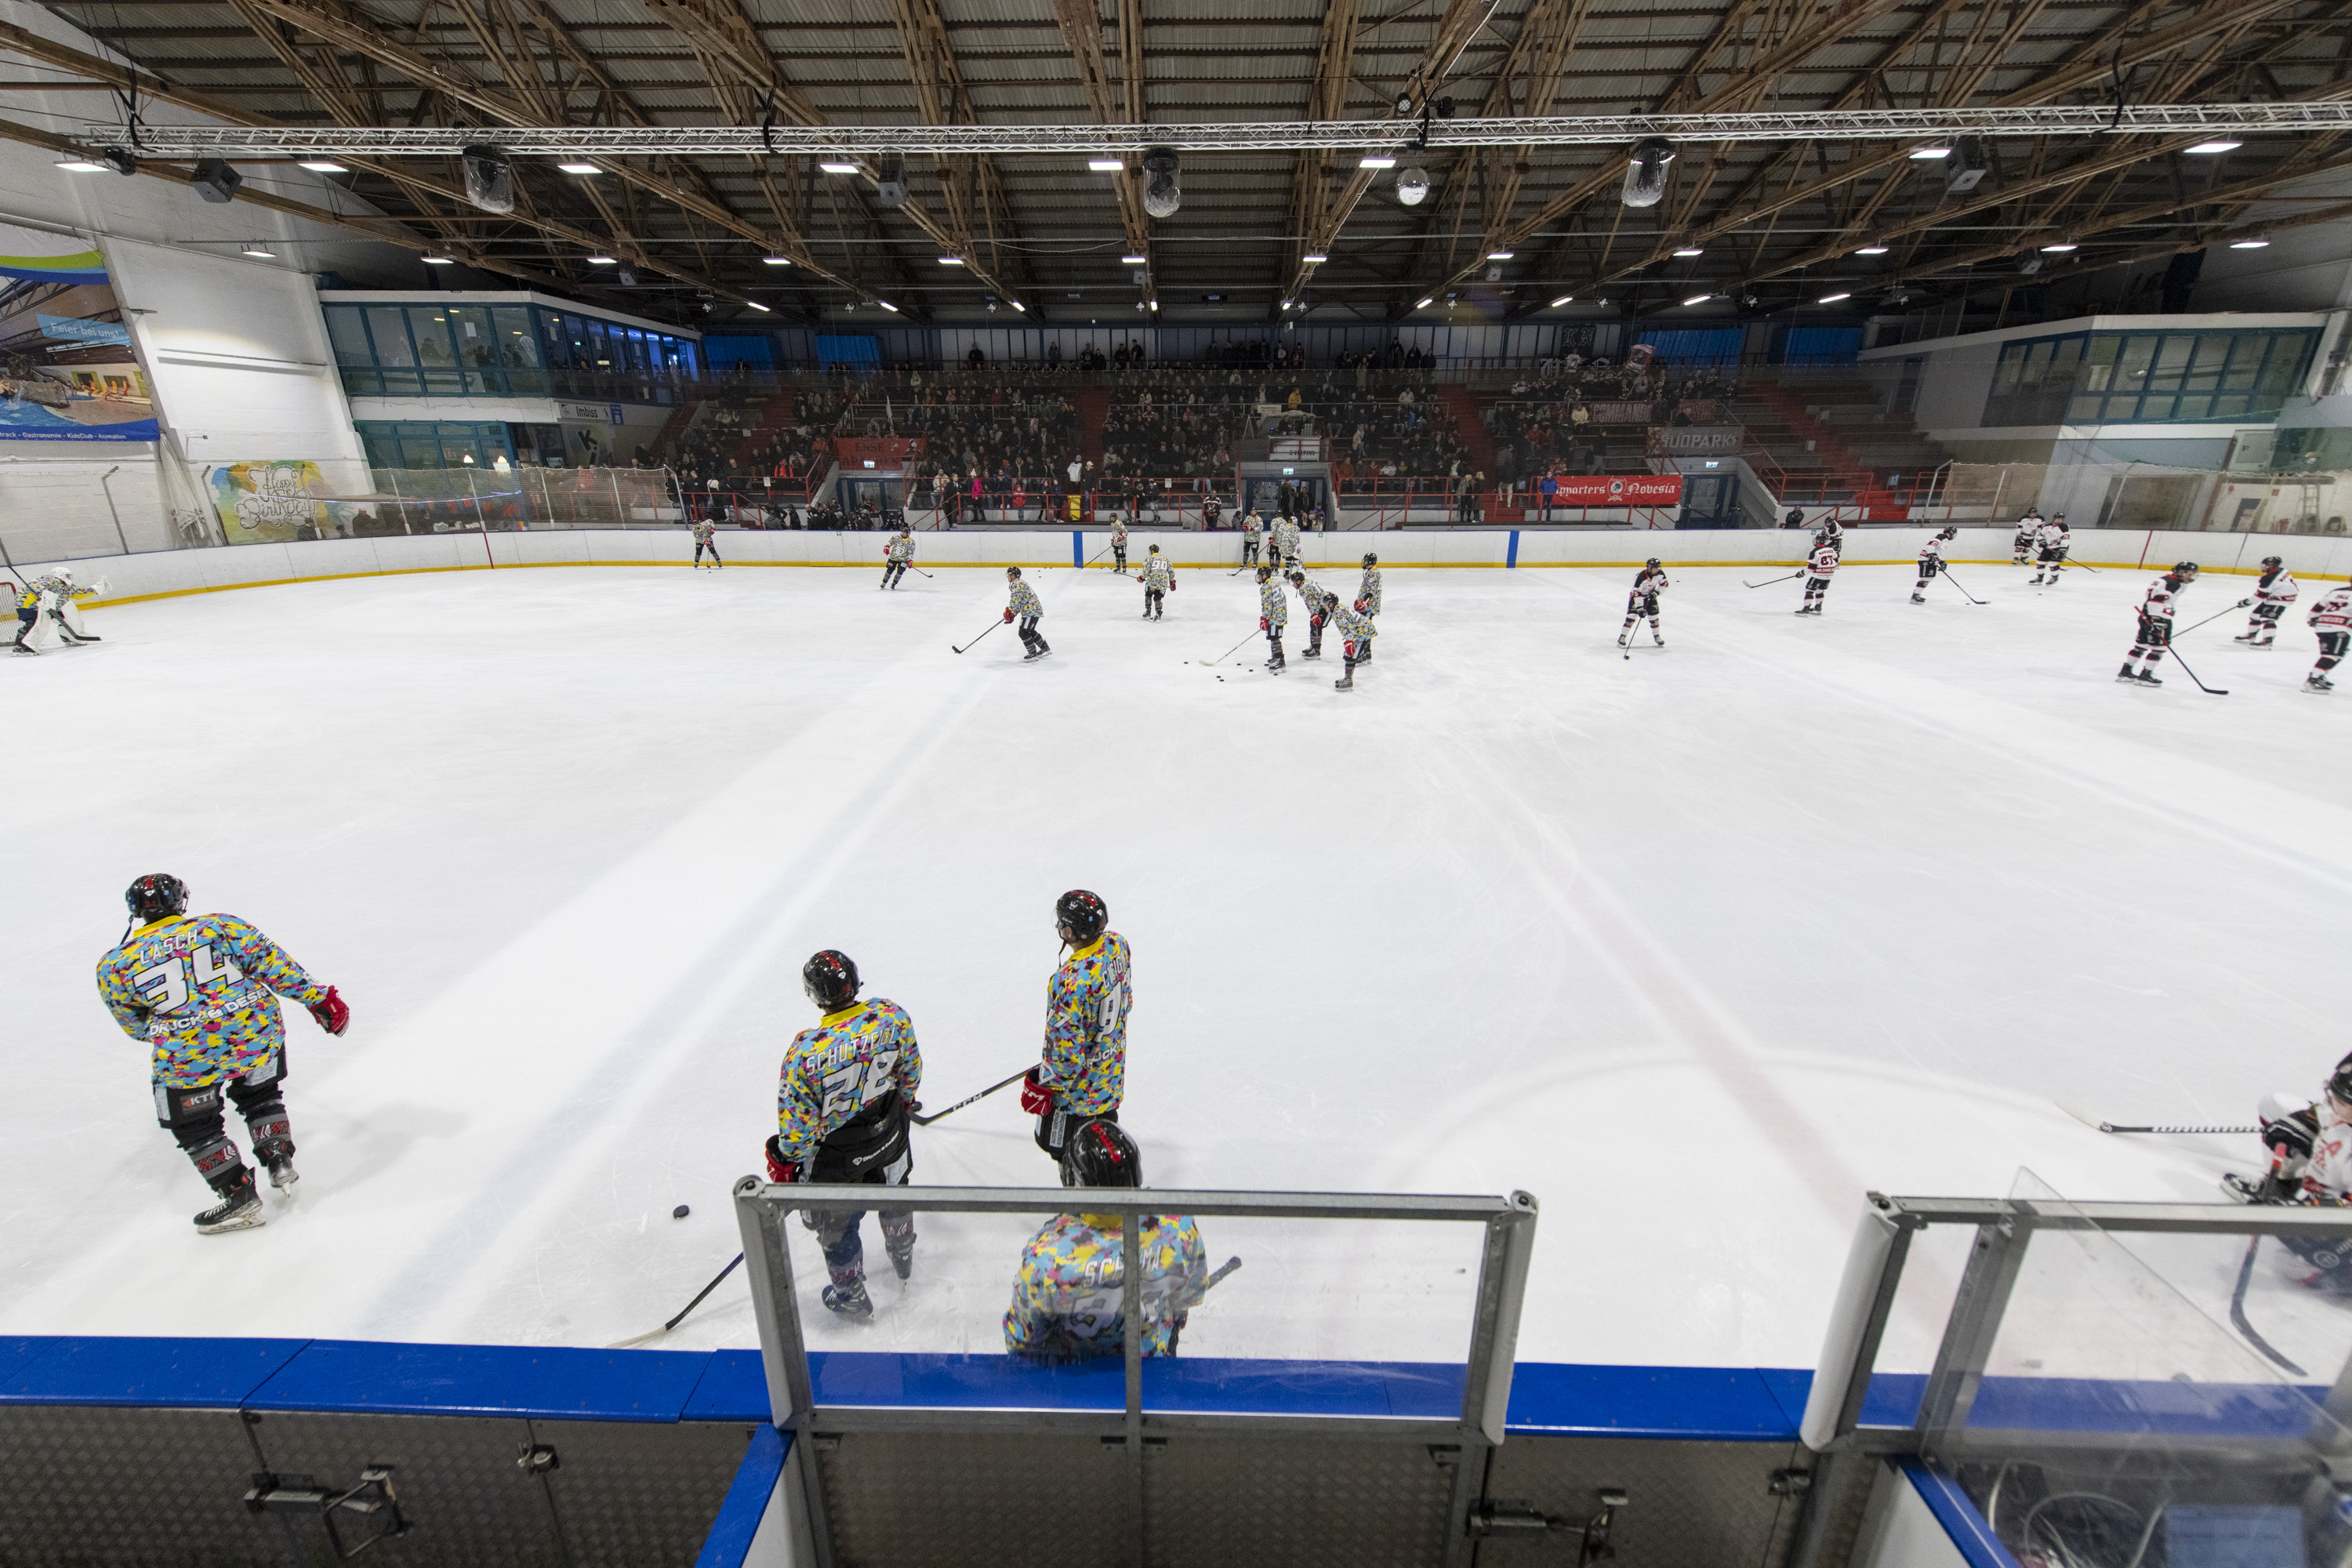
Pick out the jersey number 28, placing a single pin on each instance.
(849, 1089)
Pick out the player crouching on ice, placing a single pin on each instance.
(1025, 605)
(1067, 1298)
(1356, 634)
(842, 1101)
(2308, 1146)
(201, 992)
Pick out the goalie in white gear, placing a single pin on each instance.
(2309, 1149)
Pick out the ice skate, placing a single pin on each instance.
(2241, 1189)
(2316, 681)
(2147, 678)
(853, 1303)
(2243, 636)
(2127, 673)
(902, 1259)
(282, 1175)
(1621, 636)
(1918, 598)
(239, 1209)
(1657, 636)
(1345, 682)
(1034, 654)
(1312, 653)
(20, 647)
(2266, 642)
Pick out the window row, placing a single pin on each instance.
(2106, 378)
(502, 351)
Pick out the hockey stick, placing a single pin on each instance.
(1770, 580)
(917, 570)
(2217, 692)
(690, 1306)
(2090, 1121)
(1971, 598)
(1229, 652)
(2238, 1312)
(992, 627)
(959, 1105)
(2215, 616)
(2078, 566)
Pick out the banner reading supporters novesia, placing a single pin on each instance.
(70, 374)
(1618, 490)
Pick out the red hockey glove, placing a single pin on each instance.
(1362, 606)
(1036, 1097)
(779, 1168)
(1261, 623)
(1008, 611)
(334, 1014)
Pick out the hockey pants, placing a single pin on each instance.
(1118, 558)
(1053, 1128)
(1816, 589)
(700, 546)
(1029, 637)
(26, 621)
(1314, 637)
(193, 1117)
(1249, 551)
(1928, 566)
(838, 1229)
(894, 573)
(1151, 602)
(2155, 636)
(2333, 645)
(1274, 641)
(1638, 607)
(2262, 626)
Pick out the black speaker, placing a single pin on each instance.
(490, 177)
(1965, 169)
(890, 188)
(215, 180)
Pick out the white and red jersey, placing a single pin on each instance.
(1824, 560)
(2334, 611)
(2028, 525)
(2327, 1175)
(2277, 587)
(2161, 594)
(2053, 535)
(1650, 581)
(1933, 549)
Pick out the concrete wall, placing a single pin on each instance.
(162, 573)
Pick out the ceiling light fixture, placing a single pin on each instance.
(1870, 250)
(950, 260)
(1136, 261)
(1313, 257)
(578, 169)
(1376, 163)
(1500, 255)
(888, 306)
(1020, 307)
(438, 260)
(1425, 304)
(1563, 299)
(2251, 242)
(80, 166)
(2218, 144)
(321, 166)
(2059, 247)
(1698, 299)
(1691, 250)
(837, 168)
(757, 306)
(1834, 299)
(775, 261)
(1105, 165)
(256, 248)
(1921, 155)
(1155, 304)
(602, 260)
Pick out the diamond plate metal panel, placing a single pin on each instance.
(1689, 1504)
(1218, 1502)
(129, 1488)
(632, 1492)
(465, 1499)
(914, 1501)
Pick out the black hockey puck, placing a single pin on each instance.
(679, 1213)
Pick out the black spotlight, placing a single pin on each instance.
(215, 180)
(626, 274)
(1164, 196)
(121, 160)
(891, 186)
(490, 177)
(1646, 172)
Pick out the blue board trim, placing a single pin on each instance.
(366, 1377)
(1970, 1534)
(730, 1540)
(177, 1373)
(1077, 548)
(1511, 558)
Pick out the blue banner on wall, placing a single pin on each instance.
(54, 286)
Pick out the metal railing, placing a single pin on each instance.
(761, 1210)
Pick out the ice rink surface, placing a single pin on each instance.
(1696, 946)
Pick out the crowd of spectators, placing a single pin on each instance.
(1553, 422)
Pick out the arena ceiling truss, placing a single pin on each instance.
(813, 158)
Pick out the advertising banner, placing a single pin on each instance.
(274, 502)
(1618, 490)
(69, 373)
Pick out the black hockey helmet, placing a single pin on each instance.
(1330, 601)
(1949, 532)
(1012, 570)
(1079, 916)
(1265, 574)
(1099, 1154)
(2274, 561)
(2185, 570)
(1651, 563)
(1370, 558)
(153, 896)
(830, 979)
(2339, 1082)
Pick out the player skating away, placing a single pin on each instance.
(897, 555)
(1083, 1073)
(1119, 546)
(706, 533)
(1368, 599)
(1286, 541)
(1931, 561)
(1025, 605)
(1068, 1298)
(1159, 582)
(2156, 622)
(1271, 614)
(2050, 544)
(1250, 530)
(2029, 528)
(1648, 584)
(1820, 566)
(2275, 590)
(2331, 617)
(843, 1100)
(204, 993)
(1355, 630)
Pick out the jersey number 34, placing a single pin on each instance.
(165, 986)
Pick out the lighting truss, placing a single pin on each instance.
(848, 143)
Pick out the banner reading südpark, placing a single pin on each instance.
(67, 371)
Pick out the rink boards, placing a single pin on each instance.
(159, 574)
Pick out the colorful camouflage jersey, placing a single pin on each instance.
(1024, 600)
(1271, 604)
(1118, 537)
(704, 529)
(1066, 1297)
(1158, 574)
(899, 550)
(1250, 526)
(1370, 591)
(1311, 593)
(1086, 1003)
(1286, 537)
(199, 990)
(53, 583)
(1351, 624)
(851, 1059)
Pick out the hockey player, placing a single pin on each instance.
(1819, 568)
(1356, 639)
(1211, 510)
(843, 1100)
(1286, 541)
(204, 993)
(2051, 542)
(1025, 605)
(1250, 528)
(1648, 584)
(897, 555)
(1272, 613)
(2156, 622)
(60, 606)
(1159, 582)
(2331, 617)
(1119, 547)
(1311, 595)
(2028, 529)
(1082, 1074)
(1068, 1296)
(28, 619)
(1931, 561)
(1368, 599)
(2308, 1150)
(2275, 590)
(705, 538)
